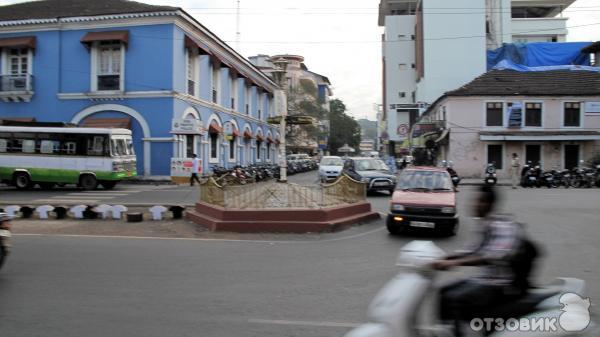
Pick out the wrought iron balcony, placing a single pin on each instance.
(16, 88)
(16, 83)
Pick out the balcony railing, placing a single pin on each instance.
(16, 83)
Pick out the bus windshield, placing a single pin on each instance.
(121, 147)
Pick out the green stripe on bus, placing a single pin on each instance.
(62, 176)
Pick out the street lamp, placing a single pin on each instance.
(279, 71)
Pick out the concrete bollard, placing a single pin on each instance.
(78, 211)
(60, 211)
(43, 211)
(26, 212)
(103, 210)
(135, 217)
(117, 210)
(177, 211)
(157, 212)
(12, 210)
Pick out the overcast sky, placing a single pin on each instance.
(338, 38)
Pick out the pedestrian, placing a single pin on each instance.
(515, 172)
(195, 170)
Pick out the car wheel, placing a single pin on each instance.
(88, 182)
(391, 190)
(22, 181)
(108, 185)
(452, 231)
(393, 227)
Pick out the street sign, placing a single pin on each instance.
(402, 130)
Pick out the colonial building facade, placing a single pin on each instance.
(153, 69)
(546, 117)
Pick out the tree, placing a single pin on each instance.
(304, 100)
(344, 129)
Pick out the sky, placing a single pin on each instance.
(339, 39)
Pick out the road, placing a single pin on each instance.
(283, 286)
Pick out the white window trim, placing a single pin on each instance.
(94, 70)
(214, 160)
(235, 150)
(234, 92)
(486, 144)
(6, 66)
(216, 86)
(196, 79)
(504, 116)
(523, 126)
(581, 115)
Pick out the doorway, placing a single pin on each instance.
(533, 154)
(571, 156)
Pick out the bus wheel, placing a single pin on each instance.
(46, 186)
(108, 185)
(22, 181)
(88, 182)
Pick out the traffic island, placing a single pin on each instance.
(282, 207)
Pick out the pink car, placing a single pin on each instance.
(424, 198)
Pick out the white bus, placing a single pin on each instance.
(49, 156)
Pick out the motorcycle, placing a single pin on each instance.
(531, 177)
(490, 174)
(453, 175)
(395, 309)
(5, 236)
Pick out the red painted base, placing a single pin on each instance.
(331, 219)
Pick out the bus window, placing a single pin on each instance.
(119, 147)
(96, 146)
(28, 145)
(49, 146)
(130, 150)
(3, 145)
(69, 147)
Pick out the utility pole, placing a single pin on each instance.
(237, 27)
(279, 71)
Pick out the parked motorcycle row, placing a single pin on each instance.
(242, 175)
(578, 177)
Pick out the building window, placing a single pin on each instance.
(268, 151)
(16, 70)
(232, 149)
(258, 146)
(189, 146)
(533, 114)
(494, 155)
(402, 66)
(214, 147)
(192, 60)
(572, 114)
(260, 105)
(215, 84)
(109, 70)
(233, 92)
(402, 94)
(247, 99)
(494, 114)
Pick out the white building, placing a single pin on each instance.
(432, 46)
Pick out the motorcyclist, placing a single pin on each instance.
(502, 279)
(350, 170)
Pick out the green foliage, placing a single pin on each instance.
(344, 129)
(303, 100)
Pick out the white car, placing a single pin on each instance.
(330, 168)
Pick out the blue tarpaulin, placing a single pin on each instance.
(540, 54)
(505, 64)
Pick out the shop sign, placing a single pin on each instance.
(182, 167)
(187, 126)
(592, 107)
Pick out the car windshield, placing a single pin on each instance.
(370, 165)
(425, 180)
(332, 162)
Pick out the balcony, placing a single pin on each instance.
(16, 88)
(539, 27)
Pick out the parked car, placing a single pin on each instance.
(424, 198)
(375, 173)
(330, 168)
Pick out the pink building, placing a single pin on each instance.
(550, 117)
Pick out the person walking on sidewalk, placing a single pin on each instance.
(515, 172)
(195, 169)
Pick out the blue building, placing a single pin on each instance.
(153, 69)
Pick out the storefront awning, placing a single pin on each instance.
(236, 132)
(116, 123)
(18, 42)
(270, 140)
(260, 138)
(248, 134)
(215, 129)
(538, 135)
(114, 35)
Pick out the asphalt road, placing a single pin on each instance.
(283, 286)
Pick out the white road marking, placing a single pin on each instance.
(79, 200)
(304, 323)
